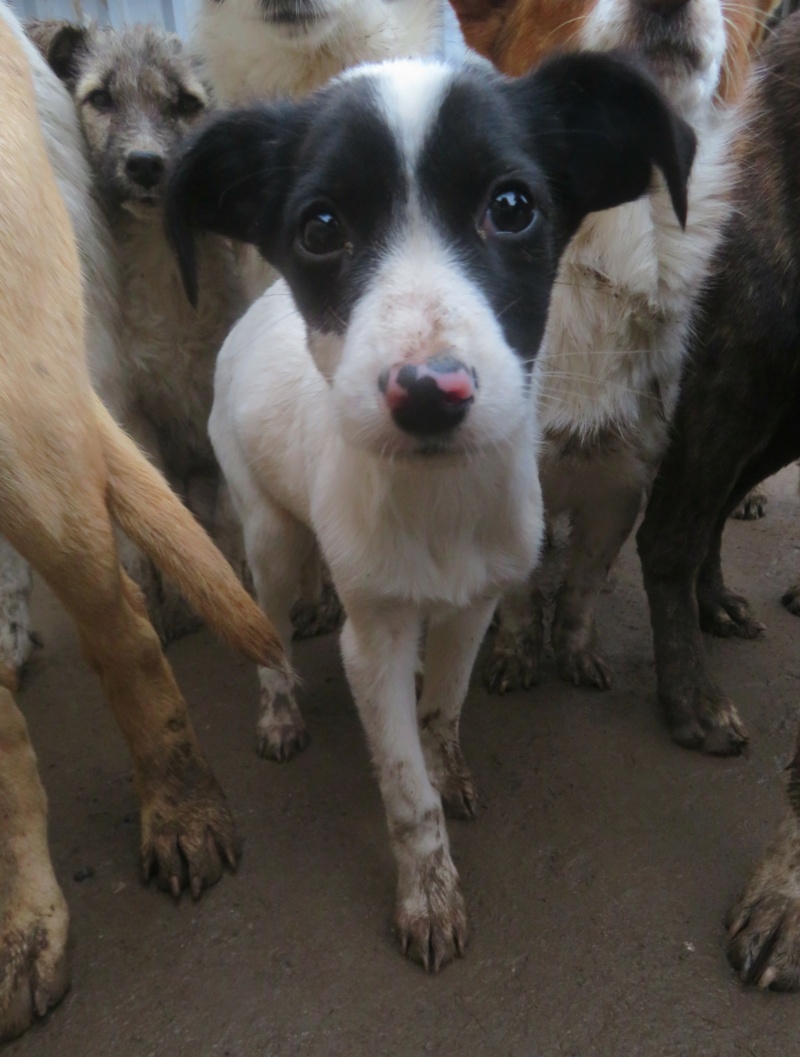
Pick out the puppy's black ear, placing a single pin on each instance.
(62, 44)
(229, 178)
(600, 124)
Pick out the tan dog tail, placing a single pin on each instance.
(144, 506)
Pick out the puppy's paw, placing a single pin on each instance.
(726, 614)
(281, 732)
(187, 827)
(764, 925)
(431, 919)
(513, 664)
(707, 721)
(34, 974)
(320, 617)
(584, 666)
(752, 507)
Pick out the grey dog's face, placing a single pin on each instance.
(137, 93)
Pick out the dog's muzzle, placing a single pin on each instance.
(429, 398)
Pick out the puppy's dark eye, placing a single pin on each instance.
(100, 99)
(322, 234)
(189, 104)
(510, 211)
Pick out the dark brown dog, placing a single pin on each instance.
(738, 420)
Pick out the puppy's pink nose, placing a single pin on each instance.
(429, 397)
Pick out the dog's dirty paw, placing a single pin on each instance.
(512, 667)
(725, 614)
(584, 666)
(34, 972)
(764, 925)
(281, 741)
(709, 723)
(431, 919)
(791, 599)
(752, 507)
(515, 658)
(281, 732)
(188, 832)
(320, 617)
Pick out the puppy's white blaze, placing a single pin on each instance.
(411, 94)
(420, 302)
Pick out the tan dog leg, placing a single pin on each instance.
(55, 515)
(33, 915)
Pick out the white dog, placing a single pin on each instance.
(418, 214)
(265, 49)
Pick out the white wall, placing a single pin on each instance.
(172, 14)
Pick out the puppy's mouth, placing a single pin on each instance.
(140, 204)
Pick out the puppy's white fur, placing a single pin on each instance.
(309, 450)
(611, 362)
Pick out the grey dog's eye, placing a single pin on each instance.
(188, 104)
(511, 211)
(100, 99)
(322, 234)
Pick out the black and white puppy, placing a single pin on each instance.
(418, 213)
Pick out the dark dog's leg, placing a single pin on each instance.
(33, 915)
(764, 925)
(722, 612)
(689, 495)
(705, 473)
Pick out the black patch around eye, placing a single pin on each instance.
(340, 215)
(491, 204)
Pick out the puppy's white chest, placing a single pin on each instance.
(426, 533)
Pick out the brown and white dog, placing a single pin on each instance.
(618, 320)
(67, 470)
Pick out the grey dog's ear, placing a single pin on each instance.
(61, 42)
(231, 178)
(599, 125)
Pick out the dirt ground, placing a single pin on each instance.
(596, 876)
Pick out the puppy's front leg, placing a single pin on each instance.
(452, 644)
(379, 648)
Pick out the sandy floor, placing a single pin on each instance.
(596, 876)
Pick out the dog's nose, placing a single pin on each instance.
(429, 397)
(664, 7)
(145, 168)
